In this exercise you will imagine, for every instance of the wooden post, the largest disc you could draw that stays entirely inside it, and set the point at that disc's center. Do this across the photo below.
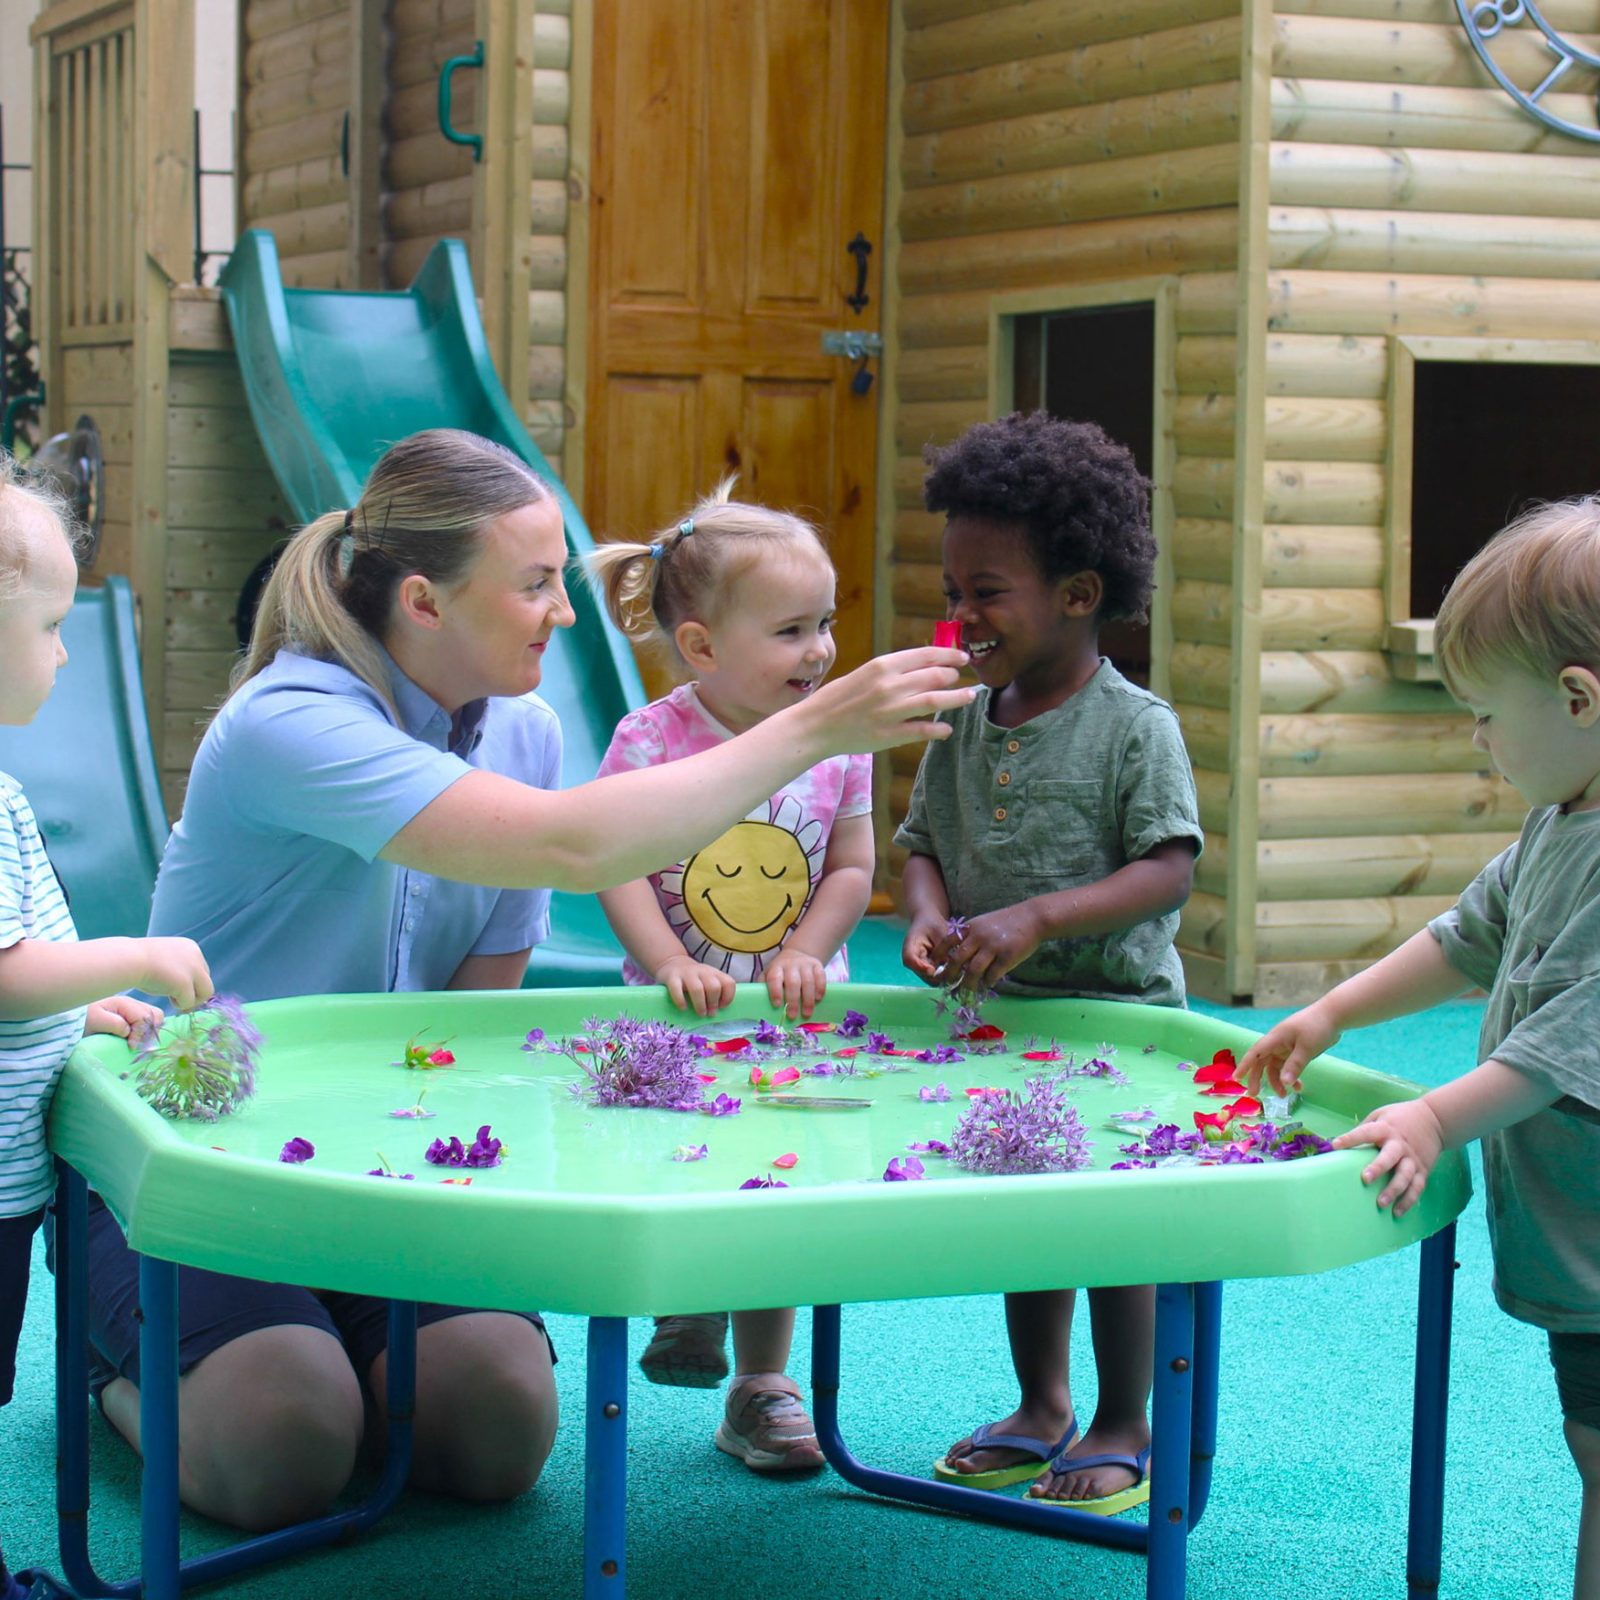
(1249, 491)
(366, 143)
(502, 195)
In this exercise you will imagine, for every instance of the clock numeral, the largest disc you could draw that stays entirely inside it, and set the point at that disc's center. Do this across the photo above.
(1490, 16)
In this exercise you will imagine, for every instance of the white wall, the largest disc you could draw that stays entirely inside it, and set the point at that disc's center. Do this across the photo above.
(16, 105)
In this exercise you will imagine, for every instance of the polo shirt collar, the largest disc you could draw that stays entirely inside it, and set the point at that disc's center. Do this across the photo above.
(424, 718)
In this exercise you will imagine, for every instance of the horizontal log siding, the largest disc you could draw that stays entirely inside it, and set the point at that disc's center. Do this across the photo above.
(1407, 196)
(294, 93)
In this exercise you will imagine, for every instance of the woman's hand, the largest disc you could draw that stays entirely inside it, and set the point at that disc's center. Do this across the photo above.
(891, 700)
(916, 952)
(1283, 1051)
(121, 1014)
(693, 986)
(988, 948)
(796, 981)
(1409, 1138)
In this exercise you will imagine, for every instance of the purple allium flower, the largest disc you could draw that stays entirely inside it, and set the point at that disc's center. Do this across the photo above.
(691, 1152)
(297, 1150)
(853, 1025)
(956, 928)
(534, 1039)
(938, 1093)
(941, 1055)
(933, 1147)
(700, 1042)
(877, 1043)
(1035, 1131)
(202, 1065)
(1099, 1068)
(763, 1183)
(903, 1169)
(644, 1064)
(484, 1151)
(723, 1106)
(769, 1033)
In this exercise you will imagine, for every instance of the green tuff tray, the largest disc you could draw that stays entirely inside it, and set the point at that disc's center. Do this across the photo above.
(590, 1213)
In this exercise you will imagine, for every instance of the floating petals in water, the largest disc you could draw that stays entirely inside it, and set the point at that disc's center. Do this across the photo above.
(423, 1057)
(784, 1162)
(728, 1047)
(761, 1078)
(415, 1113)
(706, 1077)
(903, 1169)
(848, 1051)
(1041, 1055)
(723, 1106)
(816, 1027)
(934, 1147)
(1245, 1106)
(938, 1092)
(880, 1044)
(535, 1038)
(297, 1150)
(691, 1152)
(852, 1025)
(763, 1183)
(1143, 1114)
(484, 1151)
(768, 1033)
(981, 1034)
(975, 1093)
(464, 1182)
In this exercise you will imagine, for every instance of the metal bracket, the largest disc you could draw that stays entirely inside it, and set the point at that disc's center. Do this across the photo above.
(852, 344)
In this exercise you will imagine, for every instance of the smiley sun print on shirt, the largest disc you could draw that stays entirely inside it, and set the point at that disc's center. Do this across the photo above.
(734, 902)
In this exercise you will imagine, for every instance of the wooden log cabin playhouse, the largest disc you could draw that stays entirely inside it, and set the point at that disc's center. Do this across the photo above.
(1332, 267)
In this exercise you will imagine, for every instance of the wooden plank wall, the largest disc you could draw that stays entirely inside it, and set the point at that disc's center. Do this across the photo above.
(1063, 142)
(1407, 196)
(548, 416)
(224, 512)
(294, 95)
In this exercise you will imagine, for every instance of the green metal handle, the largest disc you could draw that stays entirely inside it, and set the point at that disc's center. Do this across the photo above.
(446, 73)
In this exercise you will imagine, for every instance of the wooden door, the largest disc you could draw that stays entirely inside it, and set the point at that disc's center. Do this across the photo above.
(737, 151)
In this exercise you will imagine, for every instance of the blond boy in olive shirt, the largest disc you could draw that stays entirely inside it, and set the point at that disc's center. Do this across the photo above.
(1518, 642)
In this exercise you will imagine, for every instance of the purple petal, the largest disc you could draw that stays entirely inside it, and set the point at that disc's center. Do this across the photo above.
(297, 1150)
(903, 1169)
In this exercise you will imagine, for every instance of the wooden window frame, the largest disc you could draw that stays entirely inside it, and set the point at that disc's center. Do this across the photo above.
(1409, 639)
(1161, 294)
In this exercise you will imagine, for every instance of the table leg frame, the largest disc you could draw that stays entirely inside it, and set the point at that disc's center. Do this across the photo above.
(605, 1466)
(164, 1575)
(1430, 1406)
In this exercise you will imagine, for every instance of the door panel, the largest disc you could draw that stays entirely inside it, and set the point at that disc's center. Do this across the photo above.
(737, 149)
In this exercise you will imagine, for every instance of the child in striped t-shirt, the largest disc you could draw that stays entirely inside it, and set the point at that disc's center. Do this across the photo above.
(48, 980)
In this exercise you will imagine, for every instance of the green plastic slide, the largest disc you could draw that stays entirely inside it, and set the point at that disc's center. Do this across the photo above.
(101, 814)
(333, 378)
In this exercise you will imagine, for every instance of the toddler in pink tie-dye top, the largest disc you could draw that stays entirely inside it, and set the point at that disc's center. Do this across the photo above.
(743, 596)
(733, 904)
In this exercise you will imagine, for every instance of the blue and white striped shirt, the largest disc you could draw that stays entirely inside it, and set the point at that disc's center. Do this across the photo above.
(32, 1053)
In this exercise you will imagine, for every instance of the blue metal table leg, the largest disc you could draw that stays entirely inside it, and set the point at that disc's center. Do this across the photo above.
(605, 1471)
(72, 1381)
(1171, 1425)
(1207, 1375)
(1042, 1516)
(1435, 1291)
(158, 1426)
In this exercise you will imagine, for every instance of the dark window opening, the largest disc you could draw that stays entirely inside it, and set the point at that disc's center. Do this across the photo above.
(1489, 438)
(1096, 365)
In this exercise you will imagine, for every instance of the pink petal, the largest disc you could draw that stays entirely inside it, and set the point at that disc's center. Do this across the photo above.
(815, 1027)
(976, 1092)
(1041, 1055)
(757, 1076)
(786, 1161)
(947, 635)
(728, 1047)
(985, 1030)
(786, 1075)
(849, 1050)
(706, 1077)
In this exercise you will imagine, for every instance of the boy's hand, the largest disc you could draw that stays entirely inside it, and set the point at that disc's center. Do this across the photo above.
(1409, 1139)
(916, 953)
(693, 986)
(173, 967)
(121, 1014)
(991, 946)
(1284, 1051)
(796, 981)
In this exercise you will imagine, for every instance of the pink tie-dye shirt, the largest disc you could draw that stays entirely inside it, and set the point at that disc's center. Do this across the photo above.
(734, 902)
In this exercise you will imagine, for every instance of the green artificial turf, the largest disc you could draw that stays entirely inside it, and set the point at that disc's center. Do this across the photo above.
(1311, 1472)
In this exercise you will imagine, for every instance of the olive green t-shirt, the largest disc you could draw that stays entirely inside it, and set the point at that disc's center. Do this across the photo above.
(1058, 803)
(1527, 929)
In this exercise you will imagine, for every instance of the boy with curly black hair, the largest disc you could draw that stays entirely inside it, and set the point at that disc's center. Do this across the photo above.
(1059, 825)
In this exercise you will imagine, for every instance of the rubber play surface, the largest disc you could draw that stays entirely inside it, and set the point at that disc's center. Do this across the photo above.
(590, 1213)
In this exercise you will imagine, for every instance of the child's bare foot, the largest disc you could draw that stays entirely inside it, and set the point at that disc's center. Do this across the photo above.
(968, 1458)
(1096, 1483)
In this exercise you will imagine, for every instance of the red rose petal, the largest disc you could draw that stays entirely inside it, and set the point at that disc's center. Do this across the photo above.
(1224, 1088)
(1217, 1072)
(786, 1161)
(442, 1058)
(1041, 1055)
(985, 1031)
(815, 1027)
(849, 1050)
(462, 1181)
(1245, 1106)
(947, 635)
(1224, 1058)
(727, 1047)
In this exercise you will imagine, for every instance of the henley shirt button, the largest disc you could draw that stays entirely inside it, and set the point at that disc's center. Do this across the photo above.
(1013, 745)
(410, 924)
(1003, 779)
(999, 813)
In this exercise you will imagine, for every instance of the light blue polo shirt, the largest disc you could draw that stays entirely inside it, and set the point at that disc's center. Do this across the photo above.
(300, 781)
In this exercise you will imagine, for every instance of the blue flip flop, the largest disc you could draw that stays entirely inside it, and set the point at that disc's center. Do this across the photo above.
(1105, 1505)
(987, 1438)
